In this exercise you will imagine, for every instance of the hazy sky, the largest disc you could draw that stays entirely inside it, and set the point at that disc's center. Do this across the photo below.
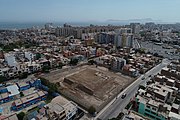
(88, 10)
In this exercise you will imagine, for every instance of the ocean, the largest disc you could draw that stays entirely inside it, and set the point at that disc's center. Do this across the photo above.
(12, 25)
(18, 25)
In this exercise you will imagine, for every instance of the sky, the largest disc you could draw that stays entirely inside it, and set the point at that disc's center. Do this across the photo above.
(88, 10)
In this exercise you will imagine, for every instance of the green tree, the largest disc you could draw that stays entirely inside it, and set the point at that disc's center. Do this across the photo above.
(120, 116)
(21, 94)
(38, 56)
(60, 65)
(52, 86)
(23, 75)
(156, 54)
(92, 110)
(21, 115)
(142, 87)
(74, 61)
(2, 79)
(92, 62)
(45, 69)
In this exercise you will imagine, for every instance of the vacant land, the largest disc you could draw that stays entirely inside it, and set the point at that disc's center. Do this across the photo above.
(89, 85)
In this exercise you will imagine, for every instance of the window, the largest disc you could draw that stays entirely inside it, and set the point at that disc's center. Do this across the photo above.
(148, 106)
(63, 117)
(158, 119)
(153, 112)
(147, 110)
(149, 115)
(154, 108)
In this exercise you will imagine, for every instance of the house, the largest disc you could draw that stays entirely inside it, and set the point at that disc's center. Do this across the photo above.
(63, 108)
(11, 117)
(55, 111)
(23, 86)
(28, 100)
(13, 90)
(4, 97)
(35, 83)
(3, 89)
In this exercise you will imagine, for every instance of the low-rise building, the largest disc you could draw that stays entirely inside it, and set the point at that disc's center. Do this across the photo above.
(55, 111)
(61, 108)
(10, 117)
(156, 101)
(23, 86)
(28, 100)
(117, 63)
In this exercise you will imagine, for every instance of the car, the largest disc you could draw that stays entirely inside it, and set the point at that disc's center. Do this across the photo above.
(123, 96)
(150, 75)
(143, 78)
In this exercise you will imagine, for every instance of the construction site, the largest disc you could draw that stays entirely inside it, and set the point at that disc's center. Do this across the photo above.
(89, 85)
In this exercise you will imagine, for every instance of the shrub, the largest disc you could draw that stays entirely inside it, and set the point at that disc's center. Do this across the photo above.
(92, 110)
(21, 115)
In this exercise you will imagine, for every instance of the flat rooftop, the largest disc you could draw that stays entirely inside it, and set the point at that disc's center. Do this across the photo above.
(29, 91)
(40, 93)
(18, 102)
(22, 84)
(69, 106)
(13, 90)
(55, 107)
(29, 97)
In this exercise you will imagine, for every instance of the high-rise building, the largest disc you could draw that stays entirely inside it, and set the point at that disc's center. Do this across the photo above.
(10, 59)
(120, 38)
(124, 40)
(1, 54)
(129, 41)
(135, 28)
(30, 56)
(150, 25)
(105, 37)
(123, 30)
(64, 31)
(48, 26)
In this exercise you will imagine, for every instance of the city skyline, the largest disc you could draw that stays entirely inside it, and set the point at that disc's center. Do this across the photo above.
(88, 10)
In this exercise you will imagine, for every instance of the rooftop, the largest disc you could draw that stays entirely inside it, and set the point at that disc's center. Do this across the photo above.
(29, 97)
(22, 84)
(11, 117)
(29, 91)
(174, 115)
(18, 102)
(66, 104)
(40, 93)
(13, 90)
(153, 103)
(55, 107)
(176, 106)
(4, 95)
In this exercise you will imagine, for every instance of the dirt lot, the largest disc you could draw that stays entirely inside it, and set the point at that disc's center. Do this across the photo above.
(89, 85)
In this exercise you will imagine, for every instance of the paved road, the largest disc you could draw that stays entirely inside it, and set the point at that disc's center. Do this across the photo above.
(136, 44)
(118, 104)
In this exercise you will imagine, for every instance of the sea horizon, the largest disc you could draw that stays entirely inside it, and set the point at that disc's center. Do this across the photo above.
(25, 25)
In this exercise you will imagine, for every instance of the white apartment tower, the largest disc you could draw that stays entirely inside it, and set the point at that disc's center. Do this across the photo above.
(10, 59)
